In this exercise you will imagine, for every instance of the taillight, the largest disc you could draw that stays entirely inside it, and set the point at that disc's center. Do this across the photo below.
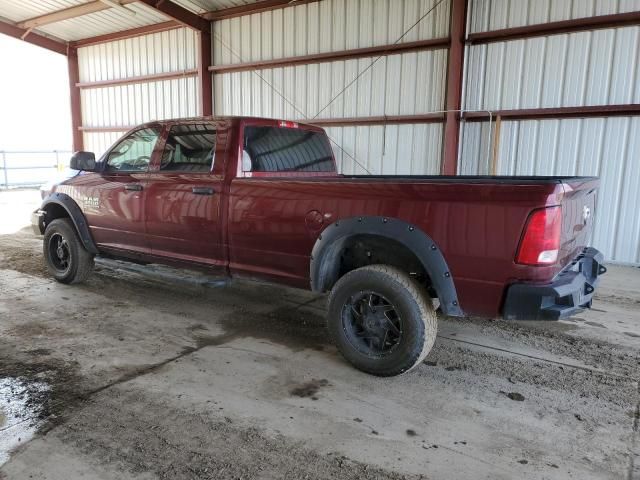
(540, 243)
(285, 124)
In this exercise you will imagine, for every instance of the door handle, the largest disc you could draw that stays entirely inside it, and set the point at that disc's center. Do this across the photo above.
(134, 187)
(203, 190)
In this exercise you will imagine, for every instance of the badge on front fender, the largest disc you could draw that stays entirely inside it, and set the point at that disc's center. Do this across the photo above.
(91, 203)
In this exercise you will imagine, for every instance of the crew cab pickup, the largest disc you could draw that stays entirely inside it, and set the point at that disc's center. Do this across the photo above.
(261, 198)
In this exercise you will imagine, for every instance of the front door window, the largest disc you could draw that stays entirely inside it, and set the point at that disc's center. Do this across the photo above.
(133, 153)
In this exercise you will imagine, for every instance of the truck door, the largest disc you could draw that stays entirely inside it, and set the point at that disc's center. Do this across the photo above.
(114, 200)
(184, 198)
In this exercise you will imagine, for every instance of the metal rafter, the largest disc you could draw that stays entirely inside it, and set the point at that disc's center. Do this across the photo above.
(256, 7)
(14, 31)
(179, 14)
(69, 13)
(129, 33)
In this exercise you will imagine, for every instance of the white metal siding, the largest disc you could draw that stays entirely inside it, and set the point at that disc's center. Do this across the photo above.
(171, 51)
(409, 83)
(326, 26)
(586, 68)
(488, 15)
(388, 150)
(401, 84)
(604, 147)
(127, 105)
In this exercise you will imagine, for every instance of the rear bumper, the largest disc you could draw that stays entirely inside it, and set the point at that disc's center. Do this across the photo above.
(571, 291)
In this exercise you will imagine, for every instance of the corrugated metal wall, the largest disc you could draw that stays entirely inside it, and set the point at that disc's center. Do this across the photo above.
(402, 84)
(588, 68)
(486, 15)
(126, 105)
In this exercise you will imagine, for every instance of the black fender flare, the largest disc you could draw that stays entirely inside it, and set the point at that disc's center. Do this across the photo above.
(324, 261)
(76, 216)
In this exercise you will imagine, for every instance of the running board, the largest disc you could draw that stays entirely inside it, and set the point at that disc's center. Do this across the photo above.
(164, 273)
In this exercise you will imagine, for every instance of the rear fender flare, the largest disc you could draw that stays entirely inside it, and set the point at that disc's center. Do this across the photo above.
(76, 216)
(325, 261)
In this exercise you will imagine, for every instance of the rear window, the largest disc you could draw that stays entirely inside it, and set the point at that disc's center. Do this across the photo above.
(272, 149)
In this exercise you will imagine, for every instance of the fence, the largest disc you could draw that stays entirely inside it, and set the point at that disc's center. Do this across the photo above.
(32, 168)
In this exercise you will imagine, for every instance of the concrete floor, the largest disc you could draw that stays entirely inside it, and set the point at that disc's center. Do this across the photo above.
(133, 377)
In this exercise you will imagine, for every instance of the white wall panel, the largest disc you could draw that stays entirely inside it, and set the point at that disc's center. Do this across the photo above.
(132, 104)
(326, 26)
(405, 84)
(488, 15)
(127, 105)
(604, 147)
(586, 68)
(388, 150)
(169, 51)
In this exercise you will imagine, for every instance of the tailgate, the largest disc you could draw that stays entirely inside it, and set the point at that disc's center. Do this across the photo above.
(578, 212)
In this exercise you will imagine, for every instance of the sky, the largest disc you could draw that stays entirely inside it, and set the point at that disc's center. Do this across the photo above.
(34, 98)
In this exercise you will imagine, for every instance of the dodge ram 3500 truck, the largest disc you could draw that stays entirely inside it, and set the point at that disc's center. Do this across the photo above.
(261, 198)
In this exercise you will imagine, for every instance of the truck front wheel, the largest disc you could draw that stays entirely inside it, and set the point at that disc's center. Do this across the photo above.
(66, 258)
(381, 320)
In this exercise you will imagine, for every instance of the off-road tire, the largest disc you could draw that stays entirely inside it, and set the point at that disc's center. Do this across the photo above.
(413, 306)
(80, 261)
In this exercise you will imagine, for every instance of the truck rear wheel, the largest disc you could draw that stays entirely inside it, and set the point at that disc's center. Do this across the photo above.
(66, 258)
(381, 320)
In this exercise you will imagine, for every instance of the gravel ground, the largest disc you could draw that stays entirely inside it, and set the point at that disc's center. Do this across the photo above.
(132, 376)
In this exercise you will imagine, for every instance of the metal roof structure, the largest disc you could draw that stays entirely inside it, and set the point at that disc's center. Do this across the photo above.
(66, 21)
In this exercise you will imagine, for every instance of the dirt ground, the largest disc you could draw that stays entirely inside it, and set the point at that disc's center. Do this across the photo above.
(134, 376)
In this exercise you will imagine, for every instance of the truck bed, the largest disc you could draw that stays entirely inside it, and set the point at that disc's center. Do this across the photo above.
(500, 179)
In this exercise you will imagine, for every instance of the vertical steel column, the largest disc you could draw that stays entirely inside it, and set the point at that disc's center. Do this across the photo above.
(74, 95)
(204, 75)
(454, 86)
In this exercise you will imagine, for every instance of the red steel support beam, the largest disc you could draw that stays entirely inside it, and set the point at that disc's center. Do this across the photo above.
(257, 7)
(454, 86)
(619, 110)
(205, 79)
(124, 34)
(555, 28)
(155, 77)
(74, 94)
(34, 38)
(179, 14)
(420, 45)
(381, 120)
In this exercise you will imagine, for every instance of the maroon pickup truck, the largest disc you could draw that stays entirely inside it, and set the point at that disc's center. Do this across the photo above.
(261, 198)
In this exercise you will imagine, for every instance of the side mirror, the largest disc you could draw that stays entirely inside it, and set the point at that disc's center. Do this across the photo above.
(85, 161)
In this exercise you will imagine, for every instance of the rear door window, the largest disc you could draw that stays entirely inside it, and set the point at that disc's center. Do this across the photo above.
(274, 149)
(189, 148)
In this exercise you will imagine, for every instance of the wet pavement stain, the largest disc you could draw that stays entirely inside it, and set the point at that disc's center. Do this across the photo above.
(35, 391)
(291, 327)
(21, 413)
(309, 389)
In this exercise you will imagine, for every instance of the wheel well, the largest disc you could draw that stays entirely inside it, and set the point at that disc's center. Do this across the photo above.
(54, 211)
(365, 249)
